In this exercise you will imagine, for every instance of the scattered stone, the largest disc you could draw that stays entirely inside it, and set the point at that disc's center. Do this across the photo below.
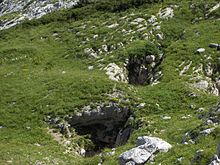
(180, 159)
(200, 50)
(207, 131)
(200, 110)
(113, 26)
(193, 95)
(37, 144)
(90, 67)
(213, 45)
(166, 117)
(141, 105)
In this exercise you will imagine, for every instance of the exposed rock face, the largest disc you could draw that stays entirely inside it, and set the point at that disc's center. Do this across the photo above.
(143, 70)
(30, 9)
(116, 73)
(147, 146)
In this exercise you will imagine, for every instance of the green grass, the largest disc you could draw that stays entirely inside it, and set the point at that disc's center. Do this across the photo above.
(43, 74)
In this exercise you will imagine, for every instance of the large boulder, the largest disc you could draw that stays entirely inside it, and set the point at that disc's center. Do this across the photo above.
(146, 147)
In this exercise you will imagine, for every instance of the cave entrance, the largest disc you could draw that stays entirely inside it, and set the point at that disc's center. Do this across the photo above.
(107, 128)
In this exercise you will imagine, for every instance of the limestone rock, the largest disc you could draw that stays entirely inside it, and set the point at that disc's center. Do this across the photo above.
(200, 50)
(166, 13)
(28, 9)
(116, 73)
(203, 84)
(207, 131)
(160, 144)
(146, 147)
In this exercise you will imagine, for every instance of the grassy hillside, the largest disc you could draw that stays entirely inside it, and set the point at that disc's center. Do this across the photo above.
(44, 71)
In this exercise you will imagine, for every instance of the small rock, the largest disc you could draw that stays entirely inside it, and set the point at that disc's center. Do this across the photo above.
(90, 67)
(200, 50)
(180, 159)
(207, 131)
(213, 45)
(192, 95)
(113, 26)
(141, 105)
(166, 117)
(159, 36)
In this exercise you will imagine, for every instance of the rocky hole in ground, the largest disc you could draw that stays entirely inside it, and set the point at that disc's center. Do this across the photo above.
(144, 70)
(107, 126)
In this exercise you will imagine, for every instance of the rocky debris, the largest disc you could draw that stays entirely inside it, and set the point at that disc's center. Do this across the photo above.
(200, 50)
(116, 73)
(146, 148)
(166, 13)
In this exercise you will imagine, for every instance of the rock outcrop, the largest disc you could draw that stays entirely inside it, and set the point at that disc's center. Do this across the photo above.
(28, 10)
